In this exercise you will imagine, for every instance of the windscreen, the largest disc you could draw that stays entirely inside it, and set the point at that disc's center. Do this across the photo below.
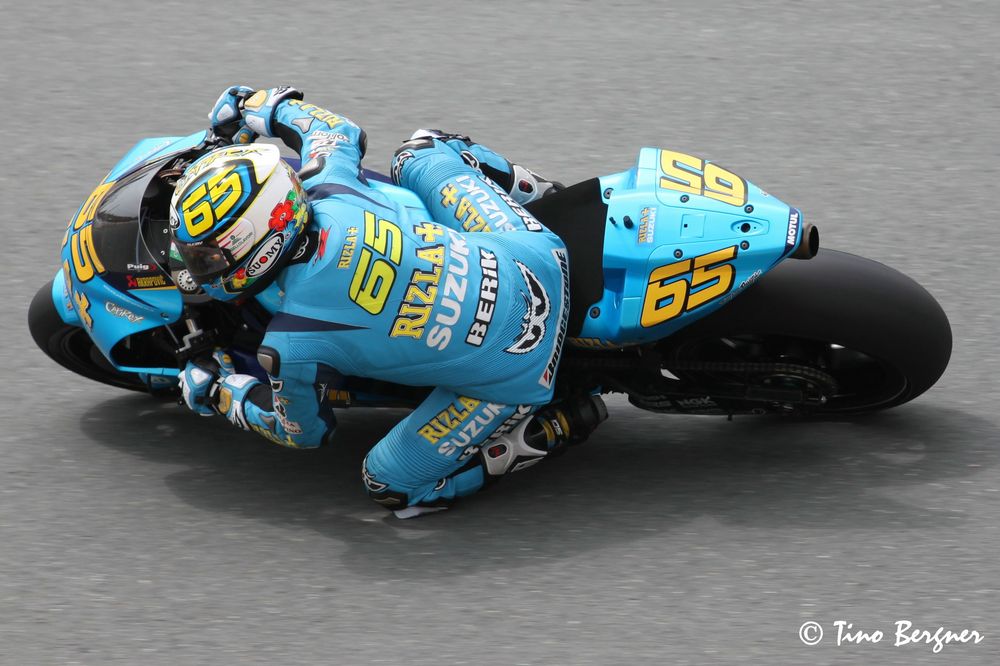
(131, 233)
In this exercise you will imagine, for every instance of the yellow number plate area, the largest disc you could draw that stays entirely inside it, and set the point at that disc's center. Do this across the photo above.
(86, 264)
(682, 286)
(211, 201)
(83, 309)
(86, 213)
(693, 175)
(80, 237)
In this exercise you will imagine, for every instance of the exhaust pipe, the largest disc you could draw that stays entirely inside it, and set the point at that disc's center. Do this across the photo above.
(809, 245)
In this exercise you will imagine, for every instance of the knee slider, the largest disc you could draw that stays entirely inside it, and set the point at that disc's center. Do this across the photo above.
(438, 134)
(438, 160)
(270, 360)
(458, 143)
(379, 490)
(407, 151)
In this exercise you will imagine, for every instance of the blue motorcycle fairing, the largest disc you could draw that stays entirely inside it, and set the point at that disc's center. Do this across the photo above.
(114, 300)
(684, 236)
(148, 150)
(111, 282)
(63, 302)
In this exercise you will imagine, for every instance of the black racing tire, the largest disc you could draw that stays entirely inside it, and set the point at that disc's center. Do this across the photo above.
(881, 317)
(71, 346)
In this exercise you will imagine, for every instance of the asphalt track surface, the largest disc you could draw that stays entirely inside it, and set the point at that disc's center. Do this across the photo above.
(135, 533)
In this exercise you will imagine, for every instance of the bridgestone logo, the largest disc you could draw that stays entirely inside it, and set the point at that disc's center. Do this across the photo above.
(487, 298)
(550, 367)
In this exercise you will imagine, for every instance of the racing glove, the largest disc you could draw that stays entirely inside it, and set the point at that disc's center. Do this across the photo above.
(226, 117)
(200, 381)
(259, 109)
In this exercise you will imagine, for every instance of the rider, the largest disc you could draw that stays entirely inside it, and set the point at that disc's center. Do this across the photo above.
(474, 302)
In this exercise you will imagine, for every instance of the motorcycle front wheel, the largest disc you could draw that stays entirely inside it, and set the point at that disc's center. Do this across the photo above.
(71, 347)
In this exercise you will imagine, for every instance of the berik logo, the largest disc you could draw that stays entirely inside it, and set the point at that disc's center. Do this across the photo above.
(536, 302)
(263, 260)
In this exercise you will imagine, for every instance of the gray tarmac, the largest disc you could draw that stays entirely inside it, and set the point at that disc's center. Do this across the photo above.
(132, 532)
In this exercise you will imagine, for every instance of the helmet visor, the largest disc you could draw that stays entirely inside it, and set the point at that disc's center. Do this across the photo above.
(206, 261)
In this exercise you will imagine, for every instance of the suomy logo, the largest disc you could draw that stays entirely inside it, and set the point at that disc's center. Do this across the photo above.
(263, 259)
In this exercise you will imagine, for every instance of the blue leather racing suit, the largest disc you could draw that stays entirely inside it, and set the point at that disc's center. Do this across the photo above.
(468, 294)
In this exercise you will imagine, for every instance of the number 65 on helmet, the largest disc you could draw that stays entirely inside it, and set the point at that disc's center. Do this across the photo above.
(235, 218)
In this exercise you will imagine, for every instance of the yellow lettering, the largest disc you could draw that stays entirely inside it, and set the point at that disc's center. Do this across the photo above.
(429, 433)
(665, 300)
(211, 201)
(668, 293)
(382, 235)
(433, 254)
(685, 173)
(715, 279)
(86, 213)
(449, 195)
(415, 294)
(681, 172)
(410, 322)
(428, 232)
(724, 186)
(85, 261)
(468, 403)
(83, 309)
(475, 223)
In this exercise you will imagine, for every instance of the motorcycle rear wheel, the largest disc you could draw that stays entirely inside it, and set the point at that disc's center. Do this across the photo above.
(880, 336)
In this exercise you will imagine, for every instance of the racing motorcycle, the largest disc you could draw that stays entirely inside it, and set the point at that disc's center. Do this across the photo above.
(693, 291)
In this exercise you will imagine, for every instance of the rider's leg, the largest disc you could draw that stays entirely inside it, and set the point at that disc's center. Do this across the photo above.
(520, 183)
(434, 456)
(453, 445)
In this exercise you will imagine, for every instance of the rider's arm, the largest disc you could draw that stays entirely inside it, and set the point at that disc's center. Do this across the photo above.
(331, 146)
(289, 412)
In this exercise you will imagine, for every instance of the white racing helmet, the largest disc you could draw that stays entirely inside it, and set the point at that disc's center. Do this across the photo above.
(235, 218)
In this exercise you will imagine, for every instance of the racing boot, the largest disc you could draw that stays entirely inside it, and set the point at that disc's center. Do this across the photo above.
(570, 422)
(549, 432)
(522, 184)
(523, 443)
